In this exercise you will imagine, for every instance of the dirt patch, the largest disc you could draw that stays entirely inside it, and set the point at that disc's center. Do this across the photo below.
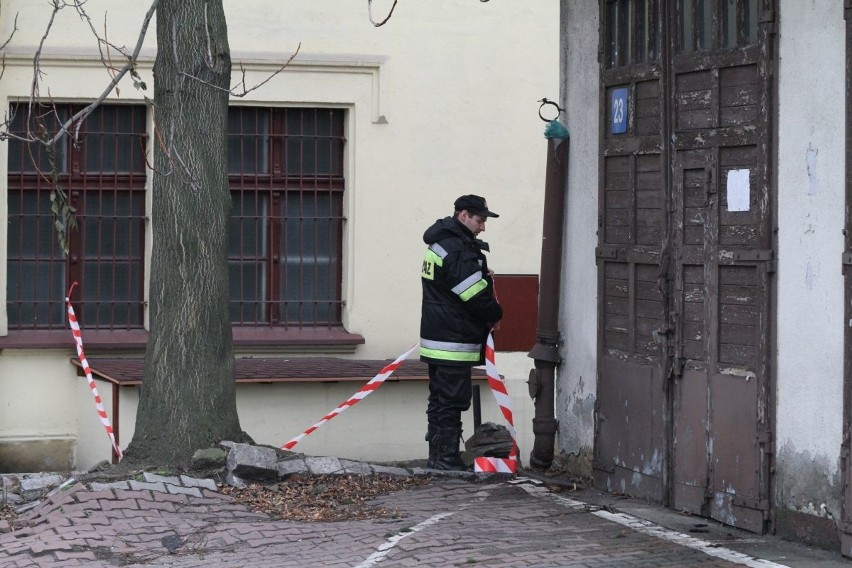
(7, 514)
(324, 497)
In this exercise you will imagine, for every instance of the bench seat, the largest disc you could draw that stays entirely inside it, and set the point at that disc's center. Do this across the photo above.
(128, 371)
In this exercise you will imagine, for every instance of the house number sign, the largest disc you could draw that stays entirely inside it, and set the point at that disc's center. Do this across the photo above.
(618, 106)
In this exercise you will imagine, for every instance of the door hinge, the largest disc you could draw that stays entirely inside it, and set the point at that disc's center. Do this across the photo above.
(709, 187)
(767, 17)
(753, 255)
(606, 252)
(677, 366)
(846, 262)
(756, 504)
(661, 334)
(609, 252)
(605, 465)
(765, 439)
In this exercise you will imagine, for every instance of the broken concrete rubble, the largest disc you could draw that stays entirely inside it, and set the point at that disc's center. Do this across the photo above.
(237, 464)
(256, 463)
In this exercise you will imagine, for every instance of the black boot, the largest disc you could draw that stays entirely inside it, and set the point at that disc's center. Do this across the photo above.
(448, 458)
(432, 438)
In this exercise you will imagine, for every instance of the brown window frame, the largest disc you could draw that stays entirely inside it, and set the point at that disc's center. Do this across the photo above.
(632, 32)
(287, 181)
(287, 185)
(710, 25)
(106, 249)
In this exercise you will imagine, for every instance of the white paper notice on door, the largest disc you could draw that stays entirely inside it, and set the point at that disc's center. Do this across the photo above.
(738, 190)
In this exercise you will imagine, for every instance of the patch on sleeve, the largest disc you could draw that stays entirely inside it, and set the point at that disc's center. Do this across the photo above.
(428, 271)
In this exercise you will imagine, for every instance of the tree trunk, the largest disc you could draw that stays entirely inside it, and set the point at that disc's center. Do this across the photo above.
(188, 400)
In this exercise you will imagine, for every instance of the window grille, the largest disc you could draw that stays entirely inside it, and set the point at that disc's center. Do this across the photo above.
(710, 24)
(632, 32)
(287, 183)
(103, 175)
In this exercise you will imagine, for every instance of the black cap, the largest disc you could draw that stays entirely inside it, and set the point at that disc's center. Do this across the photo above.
(475, 205)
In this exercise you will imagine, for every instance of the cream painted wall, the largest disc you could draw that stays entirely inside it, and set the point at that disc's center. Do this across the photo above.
(93, 443)
(441, 100)
(36, 380)
(37, 398)
(811, 141)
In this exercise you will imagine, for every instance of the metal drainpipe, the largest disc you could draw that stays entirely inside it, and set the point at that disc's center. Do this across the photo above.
(546, 350)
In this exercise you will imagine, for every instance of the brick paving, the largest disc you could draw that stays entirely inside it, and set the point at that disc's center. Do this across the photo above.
(447, 522)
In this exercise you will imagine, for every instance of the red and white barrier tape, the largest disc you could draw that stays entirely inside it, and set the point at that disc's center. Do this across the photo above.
(501, 395)
(374, 383)
(78, 340)
(498, 388)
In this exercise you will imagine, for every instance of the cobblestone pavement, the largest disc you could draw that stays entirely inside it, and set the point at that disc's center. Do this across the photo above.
(447, 522)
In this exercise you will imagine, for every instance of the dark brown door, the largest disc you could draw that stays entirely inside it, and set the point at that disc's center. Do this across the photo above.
(705, 390)
(630, 433)
(722, 259)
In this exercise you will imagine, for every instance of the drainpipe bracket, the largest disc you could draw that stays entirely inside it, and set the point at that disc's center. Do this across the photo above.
(545, 426)
(534, 384)
(543, 352)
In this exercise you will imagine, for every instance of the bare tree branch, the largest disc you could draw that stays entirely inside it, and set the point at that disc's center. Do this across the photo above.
(370, 12)
(233, 90)
(34, 89)
(42, 131)
(129, 66)
(101, 41)
(3, 47)
(40, 126)
(11, 35)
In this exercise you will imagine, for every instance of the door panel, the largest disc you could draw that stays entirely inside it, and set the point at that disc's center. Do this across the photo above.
(721, 144)
(630, 433)
(633, 436)
(737, 498)
(691, 444)
(629, 427)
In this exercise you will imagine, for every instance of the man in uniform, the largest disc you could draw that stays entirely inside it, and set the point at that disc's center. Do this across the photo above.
(459, 309)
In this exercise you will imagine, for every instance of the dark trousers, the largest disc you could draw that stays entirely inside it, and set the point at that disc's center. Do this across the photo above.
(449, 395)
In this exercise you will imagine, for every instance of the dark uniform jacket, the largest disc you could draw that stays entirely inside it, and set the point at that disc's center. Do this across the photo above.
(458, 296)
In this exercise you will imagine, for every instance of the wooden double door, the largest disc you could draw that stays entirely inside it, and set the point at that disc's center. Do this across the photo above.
(686, 256)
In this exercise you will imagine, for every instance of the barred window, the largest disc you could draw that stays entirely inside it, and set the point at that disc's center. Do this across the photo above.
(287, 183)
(103, 175)
(286, 177)
(714, 24)
(632, 32)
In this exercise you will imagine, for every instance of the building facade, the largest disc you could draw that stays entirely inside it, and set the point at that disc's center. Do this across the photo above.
(336, 165)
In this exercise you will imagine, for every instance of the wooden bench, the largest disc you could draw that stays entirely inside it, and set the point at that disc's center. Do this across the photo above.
(128, 371)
